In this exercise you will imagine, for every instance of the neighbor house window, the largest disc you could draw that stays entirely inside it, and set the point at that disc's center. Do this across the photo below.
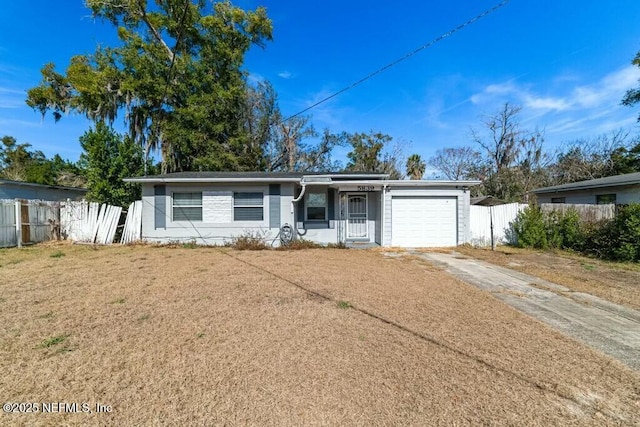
(317, 206)
(605, 199)
(187, 206)
(558, 200)
(248, 206)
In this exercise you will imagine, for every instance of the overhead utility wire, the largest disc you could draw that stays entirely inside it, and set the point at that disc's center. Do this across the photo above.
(407, 56)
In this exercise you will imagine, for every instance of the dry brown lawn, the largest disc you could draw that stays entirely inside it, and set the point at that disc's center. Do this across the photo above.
(615, 282)
(177, 336)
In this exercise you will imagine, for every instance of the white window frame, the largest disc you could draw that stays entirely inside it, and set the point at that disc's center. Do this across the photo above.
(326, 205)
(174, 206)
(234, 206)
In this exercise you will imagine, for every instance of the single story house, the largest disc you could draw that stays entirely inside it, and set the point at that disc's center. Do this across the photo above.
(351, 208)
(30, 191)
(618, 189)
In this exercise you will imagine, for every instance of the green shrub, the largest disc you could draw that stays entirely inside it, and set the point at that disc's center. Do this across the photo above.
(571, 229)
(530, 228)
(626, 234)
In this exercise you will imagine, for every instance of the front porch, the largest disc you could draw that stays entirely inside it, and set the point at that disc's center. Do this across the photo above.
(340, 213)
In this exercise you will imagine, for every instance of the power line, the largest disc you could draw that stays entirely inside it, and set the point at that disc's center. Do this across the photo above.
(407, 56)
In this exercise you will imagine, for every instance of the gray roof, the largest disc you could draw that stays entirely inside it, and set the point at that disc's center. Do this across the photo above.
(610, 181)
(33, 184)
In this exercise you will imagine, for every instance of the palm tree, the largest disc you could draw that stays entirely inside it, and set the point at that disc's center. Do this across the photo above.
(415, 166)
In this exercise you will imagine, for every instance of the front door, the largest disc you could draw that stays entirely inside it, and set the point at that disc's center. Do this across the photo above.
(357, 216)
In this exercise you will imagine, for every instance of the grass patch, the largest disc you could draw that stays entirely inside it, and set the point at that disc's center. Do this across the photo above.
(50, 342)
(589, 267)
(118, 301)
(200, 334)
(48, 315)
(299, 244)
(57, 254)
(144, 317)
(344, 304)
(189, 245)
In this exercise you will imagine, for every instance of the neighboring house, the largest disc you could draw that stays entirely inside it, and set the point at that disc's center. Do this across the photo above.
(352, 208)
(618, 189)
(486, 201)
(29, 190)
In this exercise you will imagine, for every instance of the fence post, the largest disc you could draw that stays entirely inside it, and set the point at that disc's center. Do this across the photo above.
(18, 206)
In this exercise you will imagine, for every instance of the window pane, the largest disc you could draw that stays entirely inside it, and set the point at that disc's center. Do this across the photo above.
(247, 199)
(317, 199)
(181, 213)
(604, 199)
(187, 199)
(247, 214)
(317, 213)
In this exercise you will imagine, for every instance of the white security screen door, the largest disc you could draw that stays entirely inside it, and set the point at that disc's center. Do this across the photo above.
(357, 216)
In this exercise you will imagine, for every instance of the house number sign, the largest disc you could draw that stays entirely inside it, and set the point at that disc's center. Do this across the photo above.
(366, 188)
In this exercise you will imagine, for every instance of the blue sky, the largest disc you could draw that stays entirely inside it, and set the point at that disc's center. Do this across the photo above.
(567, 63)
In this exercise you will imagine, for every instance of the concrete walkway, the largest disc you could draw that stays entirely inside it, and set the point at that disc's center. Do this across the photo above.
(608, 327)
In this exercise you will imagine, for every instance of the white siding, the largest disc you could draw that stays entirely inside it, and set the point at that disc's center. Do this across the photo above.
(217, 225)
(623, 195)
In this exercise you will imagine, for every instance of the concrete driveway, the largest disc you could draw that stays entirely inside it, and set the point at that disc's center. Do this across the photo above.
(608, 327)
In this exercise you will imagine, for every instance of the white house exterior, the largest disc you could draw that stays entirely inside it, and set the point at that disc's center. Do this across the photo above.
(619, 189)
(352, 208)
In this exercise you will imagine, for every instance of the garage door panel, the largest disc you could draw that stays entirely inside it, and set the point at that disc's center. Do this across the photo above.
(424, 221)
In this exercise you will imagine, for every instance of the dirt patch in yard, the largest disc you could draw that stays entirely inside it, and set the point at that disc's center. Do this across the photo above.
(313, 337)
(615, 282)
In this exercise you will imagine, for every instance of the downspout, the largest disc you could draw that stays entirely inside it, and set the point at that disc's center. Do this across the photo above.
(300, 196)
(296, 200)
(382, 217)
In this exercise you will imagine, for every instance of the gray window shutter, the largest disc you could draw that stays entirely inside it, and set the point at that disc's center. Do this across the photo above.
(331, 204)
(160, 203)
(274, 205)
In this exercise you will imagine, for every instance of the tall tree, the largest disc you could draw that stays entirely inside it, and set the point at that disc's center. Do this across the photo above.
(368, 154)
(590, 158)
(175, 77)
(632, 97)
(415, 166)
(514, 156)
(108, 158)
(458, 163)
(19, 163)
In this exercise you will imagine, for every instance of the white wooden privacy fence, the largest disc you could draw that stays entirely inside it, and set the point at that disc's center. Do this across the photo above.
(27, 221)
(33, 221)
(486, 221)
(132, 231)
(89, 222)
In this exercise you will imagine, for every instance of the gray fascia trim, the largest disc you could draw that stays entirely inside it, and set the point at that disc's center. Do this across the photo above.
(407, 183)
(583, 187)
(334, 184)
(355, 176)
(201, 180)
(33, 184)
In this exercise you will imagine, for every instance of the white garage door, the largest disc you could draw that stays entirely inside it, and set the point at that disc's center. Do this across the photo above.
(424, 221)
